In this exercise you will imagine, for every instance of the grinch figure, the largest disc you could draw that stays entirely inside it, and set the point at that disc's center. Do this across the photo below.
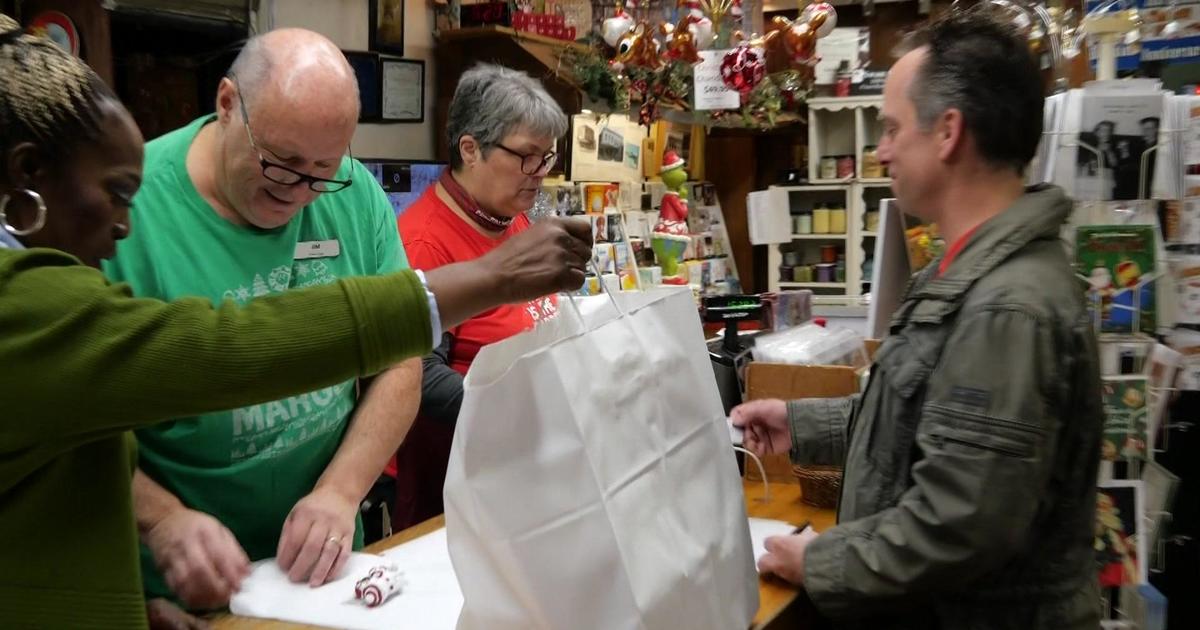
(671, 237)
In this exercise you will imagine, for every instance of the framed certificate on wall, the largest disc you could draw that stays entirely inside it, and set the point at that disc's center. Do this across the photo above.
(402, 90)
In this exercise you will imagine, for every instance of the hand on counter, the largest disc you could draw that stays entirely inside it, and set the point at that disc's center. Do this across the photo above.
(785, 556)
(317, 537)
(199, 557)
(163, 614)
(765, 423)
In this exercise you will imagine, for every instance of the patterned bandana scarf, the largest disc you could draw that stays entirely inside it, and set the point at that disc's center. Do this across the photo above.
(470, 206)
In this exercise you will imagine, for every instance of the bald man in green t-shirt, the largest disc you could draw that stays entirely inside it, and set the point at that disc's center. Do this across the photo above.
(256, 199)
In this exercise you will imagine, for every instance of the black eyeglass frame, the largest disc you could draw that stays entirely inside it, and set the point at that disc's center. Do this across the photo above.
(330, 185)
(546, 163)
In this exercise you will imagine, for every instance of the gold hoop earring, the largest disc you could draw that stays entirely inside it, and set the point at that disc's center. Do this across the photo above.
(38, 222)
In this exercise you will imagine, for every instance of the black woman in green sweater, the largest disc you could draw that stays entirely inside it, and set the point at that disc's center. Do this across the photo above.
(82, 362)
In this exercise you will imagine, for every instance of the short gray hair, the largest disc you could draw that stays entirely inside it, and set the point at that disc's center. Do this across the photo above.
(492, 101)
(976, 62)
(252, 67)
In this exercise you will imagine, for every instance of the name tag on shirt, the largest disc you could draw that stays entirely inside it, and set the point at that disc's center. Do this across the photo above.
(317, 249)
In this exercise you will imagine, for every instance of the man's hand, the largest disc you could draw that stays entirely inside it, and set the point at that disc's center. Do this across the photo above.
(551, 256)
(199, 557)
(163, 614)
(317, 536)
(785, 556)
(766, 425)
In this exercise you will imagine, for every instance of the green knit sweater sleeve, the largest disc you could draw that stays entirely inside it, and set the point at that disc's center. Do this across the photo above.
(81, 357)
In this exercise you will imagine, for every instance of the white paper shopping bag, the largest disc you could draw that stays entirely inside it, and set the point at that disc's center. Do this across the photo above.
(591, 482)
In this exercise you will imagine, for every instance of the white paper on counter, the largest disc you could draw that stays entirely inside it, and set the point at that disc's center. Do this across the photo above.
(763, 528)
(430, 601)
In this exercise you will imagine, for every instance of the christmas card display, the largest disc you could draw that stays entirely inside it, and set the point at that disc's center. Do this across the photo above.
(1120, 544)
(1118, 263)
(1125, 418)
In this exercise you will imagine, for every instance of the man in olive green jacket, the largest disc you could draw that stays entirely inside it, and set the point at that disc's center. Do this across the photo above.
(970, 459)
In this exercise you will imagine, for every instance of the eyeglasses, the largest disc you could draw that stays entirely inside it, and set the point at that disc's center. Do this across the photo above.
(532, 163)
(279, 173)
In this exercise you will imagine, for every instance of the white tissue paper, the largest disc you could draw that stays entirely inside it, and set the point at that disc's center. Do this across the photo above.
(430, 600)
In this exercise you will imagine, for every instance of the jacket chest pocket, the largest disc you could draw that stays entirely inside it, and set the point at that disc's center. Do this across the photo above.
(902, 370)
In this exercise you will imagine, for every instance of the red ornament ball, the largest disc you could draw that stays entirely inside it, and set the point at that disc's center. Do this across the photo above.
(743, 68)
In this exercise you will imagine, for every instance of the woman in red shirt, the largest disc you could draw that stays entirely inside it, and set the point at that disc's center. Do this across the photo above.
(502, 129)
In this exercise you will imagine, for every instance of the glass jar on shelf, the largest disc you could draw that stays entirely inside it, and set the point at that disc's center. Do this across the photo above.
(820, 219)
(872, 168)
(837, 218)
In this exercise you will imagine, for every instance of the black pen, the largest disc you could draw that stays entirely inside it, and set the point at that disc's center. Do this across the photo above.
(803, 526)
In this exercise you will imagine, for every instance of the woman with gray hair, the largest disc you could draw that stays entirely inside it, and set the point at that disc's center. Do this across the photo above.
(502, 130)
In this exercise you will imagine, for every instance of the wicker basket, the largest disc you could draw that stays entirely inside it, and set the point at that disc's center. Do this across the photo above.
(819, 485)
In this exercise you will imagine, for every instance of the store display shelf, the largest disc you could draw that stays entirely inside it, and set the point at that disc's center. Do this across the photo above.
(835, 103)
(812, 285)
(491, 32)
(819, 237)
(818, 186)
(832, 184)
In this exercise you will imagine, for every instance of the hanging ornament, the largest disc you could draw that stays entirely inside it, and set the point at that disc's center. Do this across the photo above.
(820, 16)
(800, 37)
(700, 26)
(680, 42)
(735, 10)
(702, 32)
(743, 68)
(615, 27)
(647, 112)
(800, 42)
(637, 48)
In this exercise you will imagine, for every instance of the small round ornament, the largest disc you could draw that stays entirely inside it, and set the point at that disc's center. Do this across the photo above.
(743, 68)
(821, 16)
(615, 27)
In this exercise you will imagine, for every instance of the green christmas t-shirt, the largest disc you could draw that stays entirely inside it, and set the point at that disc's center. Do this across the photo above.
(247, 467)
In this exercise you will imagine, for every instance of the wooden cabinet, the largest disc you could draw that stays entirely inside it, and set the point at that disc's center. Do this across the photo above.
(837, 128)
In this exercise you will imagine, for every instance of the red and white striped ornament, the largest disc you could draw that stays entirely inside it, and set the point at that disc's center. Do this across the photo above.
(381, 584)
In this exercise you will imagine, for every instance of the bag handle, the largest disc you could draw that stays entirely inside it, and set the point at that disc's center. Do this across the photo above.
(541, 210)
(603, 289)
(766, 497)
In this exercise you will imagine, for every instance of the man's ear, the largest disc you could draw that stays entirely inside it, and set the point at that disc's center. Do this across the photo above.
(950, 133)
(227, 100)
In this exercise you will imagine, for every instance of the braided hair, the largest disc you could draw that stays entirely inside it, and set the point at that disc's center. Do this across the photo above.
(47, 96)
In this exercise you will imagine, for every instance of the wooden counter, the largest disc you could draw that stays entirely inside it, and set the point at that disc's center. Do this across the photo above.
(780, 605)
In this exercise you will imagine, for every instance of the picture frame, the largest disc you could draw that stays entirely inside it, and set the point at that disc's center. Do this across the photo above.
(605, 147)
(366, 66)
(386, 26)
(402, 90)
